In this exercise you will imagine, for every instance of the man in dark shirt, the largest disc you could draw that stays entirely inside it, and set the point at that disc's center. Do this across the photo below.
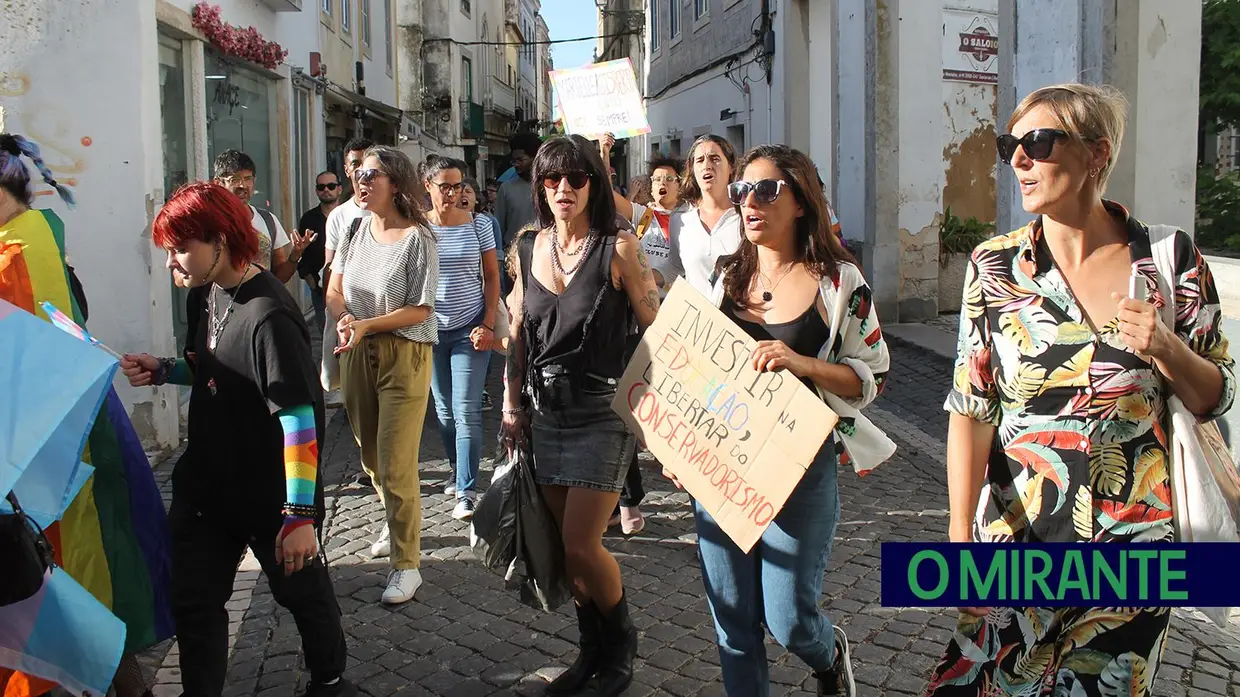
(327, 188)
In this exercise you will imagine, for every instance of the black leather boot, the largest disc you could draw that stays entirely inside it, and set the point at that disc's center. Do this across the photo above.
(575, 679)
(615, 671)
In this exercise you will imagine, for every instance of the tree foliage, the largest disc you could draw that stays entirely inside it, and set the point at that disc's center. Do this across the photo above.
(1220, 64)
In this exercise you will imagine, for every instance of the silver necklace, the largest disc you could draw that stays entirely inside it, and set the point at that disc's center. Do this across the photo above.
(218, 323)
(561, 249)
(584, 251)
(768, 293)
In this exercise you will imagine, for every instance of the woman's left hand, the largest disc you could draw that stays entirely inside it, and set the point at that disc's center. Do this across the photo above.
(482, 338)
(357, 331)
(1141, 329)
(770, 356)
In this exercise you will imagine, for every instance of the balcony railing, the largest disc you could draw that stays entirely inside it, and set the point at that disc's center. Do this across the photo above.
(473, 123)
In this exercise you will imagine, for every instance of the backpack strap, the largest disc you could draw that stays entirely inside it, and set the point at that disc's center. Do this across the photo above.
(525, 253)
(644, 224)
(269, 220)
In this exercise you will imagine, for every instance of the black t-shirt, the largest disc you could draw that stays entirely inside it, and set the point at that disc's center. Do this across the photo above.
(234, 461)
(312, 260)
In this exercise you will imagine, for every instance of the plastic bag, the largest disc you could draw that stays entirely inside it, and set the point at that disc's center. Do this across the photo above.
(514, 531)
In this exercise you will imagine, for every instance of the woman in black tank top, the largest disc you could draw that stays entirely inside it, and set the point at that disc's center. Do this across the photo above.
(782, 287)
(579, 284)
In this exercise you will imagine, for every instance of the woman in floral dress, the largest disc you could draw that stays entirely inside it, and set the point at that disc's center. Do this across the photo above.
(1057, 407)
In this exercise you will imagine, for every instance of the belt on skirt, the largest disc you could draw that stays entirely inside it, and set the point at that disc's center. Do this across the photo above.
(550, 374)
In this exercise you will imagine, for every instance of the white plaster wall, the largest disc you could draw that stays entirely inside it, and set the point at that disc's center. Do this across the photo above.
(247, 13)
(822, 89)
(695, 104)
(65, 89)
(852, 148)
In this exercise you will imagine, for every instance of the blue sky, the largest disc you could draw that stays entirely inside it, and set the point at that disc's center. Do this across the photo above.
(569, 19)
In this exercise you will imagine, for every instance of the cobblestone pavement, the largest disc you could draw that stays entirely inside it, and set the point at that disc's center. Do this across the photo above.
(466, 636)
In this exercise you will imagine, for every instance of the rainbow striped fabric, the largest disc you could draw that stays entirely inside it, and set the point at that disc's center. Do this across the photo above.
(113, 539)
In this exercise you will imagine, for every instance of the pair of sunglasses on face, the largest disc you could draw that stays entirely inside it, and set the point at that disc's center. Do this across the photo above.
(365, 176)
(577, 180)
(764, 190)
(1037, 144)
(326, 187)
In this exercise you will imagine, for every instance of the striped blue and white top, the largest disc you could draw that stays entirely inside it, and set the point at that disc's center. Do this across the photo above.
(459, 298)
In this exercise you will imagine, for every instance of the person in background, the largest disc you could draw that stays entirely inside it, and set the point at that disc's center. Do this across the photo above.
(338, 221)
(382, 294)
(470, 201)
(277, 251)
(127, 570)
(314, 222)
(489, 199)
(639, 190)
(795, 291)
(250, 472)
(579, 283)
(466, 303)
(1048, 306)
(513, 206)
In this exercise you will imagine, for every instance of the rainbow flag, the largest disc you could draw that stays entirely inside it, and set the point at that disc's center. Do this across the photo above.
(113, 538)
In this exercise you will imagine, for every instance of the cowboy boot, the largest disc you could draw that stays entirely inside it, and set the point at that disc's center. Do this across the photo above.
(615, 670)
(573, 680)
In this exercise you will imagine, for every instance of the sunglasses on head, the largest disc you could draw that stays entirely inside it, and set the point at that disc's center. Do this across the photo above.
(326, 187)
(576, 180)
(366, 175)
(765, 190)
(1037, 144)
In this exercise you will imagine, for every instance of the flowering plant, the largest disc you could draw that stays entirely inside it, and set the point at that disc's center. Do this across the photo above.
(234, 41)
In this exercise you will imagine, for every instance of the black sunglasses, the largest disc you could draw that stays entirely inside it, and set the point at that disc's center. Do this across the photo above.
(765, 190)
(1037, 144)
(365, 175)
(577, 180)
(326, 187)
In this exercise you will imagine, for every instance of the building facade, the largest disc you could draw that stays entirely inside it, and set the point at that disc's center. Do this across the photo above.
(622, 29)
(898, 102)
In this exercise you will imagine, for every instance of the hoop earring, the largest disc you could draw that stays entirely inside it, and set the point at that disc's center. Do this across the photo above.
(1093, 173)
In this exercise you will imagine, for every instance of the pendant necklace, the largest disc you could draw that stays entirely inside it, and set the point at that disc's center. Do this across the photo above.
(584, 251)
(768, 293)
(217, 324)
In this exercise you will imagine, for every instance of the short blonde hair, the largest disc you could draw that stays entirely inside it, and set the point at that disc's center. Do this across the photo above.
(1088, 113)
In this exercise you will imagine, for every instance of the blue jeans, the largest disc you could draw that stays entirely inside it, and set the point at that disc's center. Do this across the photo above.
(319, 303)
(777, 583)
(457, 379)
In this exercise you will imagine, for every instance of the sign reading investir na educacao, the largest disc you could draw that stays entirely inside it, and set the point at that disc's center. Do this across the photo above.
(601, 98)
(738, 440)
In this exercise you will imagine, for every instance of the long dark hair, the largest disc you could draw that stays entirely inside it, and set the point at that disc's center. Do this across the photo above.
(404, 177)
(817, 247)
(689, 191)
(14, 177)
(575, 154)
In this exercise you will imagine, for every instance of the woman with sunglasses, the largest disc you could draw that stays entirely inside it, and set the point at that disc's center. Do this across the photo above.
(465, 307)
(1057, 390)
(384, 280)
(579, 284)
(796, 291)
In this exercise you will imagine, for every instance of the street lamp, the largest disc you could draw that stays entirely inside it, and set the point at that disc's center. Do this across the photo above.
(633, 20)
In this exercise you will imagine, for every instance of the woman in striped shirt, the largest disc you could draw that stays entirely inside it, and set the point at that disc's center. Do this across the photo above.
(465, 307)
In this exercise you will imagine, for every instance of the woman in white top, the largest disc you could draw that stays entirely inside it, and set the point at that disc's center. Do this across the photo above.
(705, 227)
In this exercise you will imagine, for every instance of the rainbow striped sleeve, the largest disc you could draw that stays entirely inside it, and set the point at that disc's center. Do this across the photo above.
(301, 464)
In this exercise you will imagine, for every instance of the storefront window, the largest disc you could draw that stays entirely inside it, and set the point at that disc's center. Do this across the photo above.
(174, 135)
(239, 116)
(303, 195)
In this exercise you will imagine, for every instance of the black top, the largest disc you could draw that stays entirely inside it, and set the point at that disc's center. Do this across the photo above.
(315, 256)
(582, 329)
(234, 460)
(805, 335)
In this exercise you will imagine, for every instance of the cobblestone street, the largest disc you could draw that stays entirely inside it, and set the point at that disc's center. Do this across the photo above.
(465, 635)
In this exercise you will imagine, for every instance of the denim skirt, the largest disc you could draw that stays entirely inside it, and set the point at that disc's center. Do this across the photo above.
(577, 439)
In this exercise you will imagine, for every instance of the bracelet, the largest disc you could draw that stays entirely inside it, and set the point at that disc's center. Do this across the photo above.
(342, 314)
(293, 510)
(518, 410)
(164, 371)
(489, 329)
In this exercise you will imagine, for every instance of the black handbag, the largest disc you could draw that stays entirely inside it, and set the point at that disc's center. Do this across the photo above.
(26, 552)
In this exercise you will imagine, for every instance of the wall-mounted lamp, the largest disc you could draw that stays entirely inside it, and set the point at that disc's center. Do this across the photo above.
(728, 114)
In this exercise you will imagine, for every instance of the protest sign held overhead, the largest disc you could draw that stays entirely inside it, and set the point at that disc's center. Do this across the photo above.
(601, 98)
(738, 440)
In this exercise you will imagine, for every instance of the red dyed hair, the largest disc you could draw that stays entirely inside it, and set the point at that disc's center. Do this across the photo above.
(207, 212)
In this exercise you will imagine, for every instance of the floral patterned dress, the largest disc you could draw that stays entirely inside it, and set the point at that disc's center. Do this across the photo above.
(1080, 456)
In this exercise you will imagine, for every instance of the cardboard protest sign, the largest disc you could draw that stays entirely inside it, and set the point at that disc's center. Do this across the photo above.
(738, 440)
(601, 98)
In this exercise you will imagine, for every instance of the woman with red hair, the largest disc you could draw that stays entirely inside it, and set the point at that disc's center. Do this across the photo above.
(249, 476)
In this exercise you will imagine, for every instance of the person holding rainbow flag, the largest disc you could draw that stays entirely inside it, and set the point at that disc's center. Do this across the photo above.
(113, 538)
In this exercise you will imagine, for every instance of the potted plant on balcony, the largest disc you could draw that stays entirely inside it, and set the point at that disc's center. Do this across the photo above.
(957, 238)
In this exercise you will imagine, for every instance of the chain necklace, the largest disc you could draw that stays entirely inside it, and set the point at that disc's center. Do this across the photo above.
(218, 323)
(768, 293)
(561, 249)
(584, 251)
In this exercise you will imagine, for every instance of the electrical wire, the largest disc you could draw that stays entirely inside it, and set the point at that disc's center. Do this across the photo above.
(445, 39)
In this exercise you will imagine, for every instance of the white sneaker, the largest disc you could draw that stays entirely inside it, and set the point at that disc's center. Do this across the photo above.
(464, 508)
(382, 546)
(449, 490)
(401, 585)
(332, 400)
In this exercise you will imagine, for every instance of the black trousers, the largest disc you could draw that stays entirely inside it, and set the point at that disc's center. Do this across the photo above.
(633, 491)
(205, 553)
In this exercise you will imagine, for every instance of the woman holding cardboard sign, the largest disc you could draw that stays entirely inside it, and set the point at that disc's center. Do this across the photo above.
(794, 289)
(579, 282)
